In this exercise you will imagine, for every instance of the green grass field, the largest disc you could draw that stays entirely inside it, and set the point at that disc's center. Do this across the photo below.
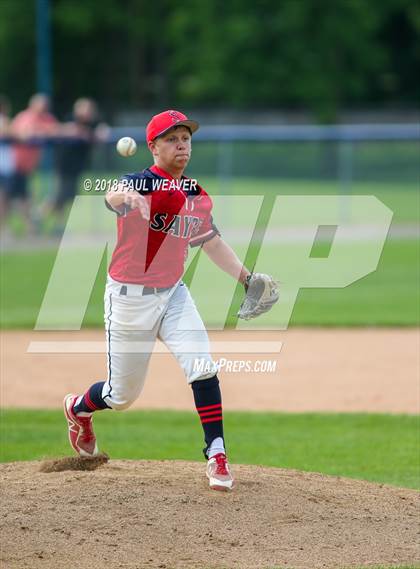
(374, 447)
(387, 297)
(403, 199)
(380, 448)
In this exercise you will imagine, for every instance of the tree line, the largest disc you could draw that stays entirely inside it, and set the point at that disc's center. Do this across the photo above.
(317, 55)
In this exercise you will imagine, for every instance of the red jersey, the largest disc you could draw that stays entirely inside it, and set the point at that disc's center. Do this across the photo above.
(153, 252)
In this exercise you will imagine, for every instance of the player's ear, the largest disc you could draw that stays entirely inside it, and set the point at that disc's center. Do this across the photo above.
(152, 147)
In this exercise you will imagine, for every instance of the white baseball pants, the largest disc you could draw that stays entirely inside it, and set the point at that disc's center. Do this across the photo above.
(133, 321)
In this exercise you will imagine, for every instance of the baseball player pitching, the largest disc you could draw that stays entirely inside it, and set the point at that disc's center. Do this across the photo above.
(160, 212)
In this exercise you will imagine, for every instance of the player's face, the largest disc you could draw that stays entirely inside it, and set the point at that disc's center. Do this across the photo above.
(173, 150)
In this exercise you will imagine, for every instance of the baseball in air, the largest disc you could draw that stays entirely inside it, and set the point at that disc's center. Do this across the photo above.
(126, 146)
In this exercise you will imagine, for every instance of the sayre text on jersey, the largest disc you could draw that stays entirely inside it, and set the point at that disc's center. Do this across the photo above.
(187, 225)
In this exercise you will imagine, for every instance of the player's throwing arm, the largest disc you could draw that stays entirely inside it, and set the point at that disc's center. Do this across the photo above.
(124, 195)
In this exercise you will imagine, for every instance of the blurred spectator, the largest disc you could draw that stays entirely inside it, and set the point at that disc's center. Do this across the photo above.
(35, 122)
(6, 155)
(73, 157)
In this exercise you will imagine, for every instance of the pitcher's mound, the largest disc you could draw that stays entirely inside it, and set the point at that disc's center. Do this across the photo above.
(146, 514)
(74, 463)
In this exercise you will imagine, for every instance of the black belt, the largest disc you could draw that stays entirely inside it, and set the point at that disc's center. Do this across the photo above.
(155, 290)
(147, 290)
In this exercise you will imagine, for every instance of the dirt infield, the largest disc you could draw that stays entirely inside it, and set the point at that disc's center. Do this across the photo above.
(141, 514)
(317, 370)
(161, 514)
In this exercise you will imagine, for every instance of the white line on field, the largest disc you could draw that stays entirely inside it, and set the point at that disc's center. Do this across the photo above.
(88, 347)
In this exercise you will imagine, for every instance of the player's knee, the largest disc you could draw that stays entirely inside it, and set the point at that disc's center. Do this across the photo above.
(123, 391)
(200, 378)
(205, 382)
(120, 405)
(200, 369)
(121, 401)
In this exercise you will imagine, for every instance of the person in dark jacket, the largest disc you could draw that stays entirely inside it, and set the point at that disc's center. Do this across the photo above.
(74, 154)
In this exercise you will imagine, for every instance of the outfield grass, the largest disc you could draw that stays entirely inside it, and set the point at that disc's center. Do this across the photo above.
(380, 448)
(401, 197)
(387, 297)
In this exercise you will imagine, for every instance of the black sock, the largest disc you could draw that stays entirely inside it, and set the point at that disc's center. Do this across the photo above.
(92, 400)
(208, 401)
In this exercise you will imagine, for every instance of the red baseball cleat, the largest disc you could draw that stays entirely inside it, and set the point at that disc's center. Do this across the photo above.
(219, 474)
(81, 435)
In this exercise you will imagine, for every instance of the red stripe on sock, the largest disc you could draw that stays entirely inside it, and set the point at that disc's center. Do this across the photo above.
(89, 402)
(208, 407)
(211, 419)
(209, 413)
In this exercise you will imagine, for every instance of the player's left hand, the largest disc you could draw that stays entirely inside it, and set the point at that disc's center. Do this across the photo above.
(261, 295)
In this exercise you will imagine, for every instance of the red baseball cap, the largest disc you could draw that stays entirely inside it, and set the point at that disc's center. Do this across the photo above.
(163, 122)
